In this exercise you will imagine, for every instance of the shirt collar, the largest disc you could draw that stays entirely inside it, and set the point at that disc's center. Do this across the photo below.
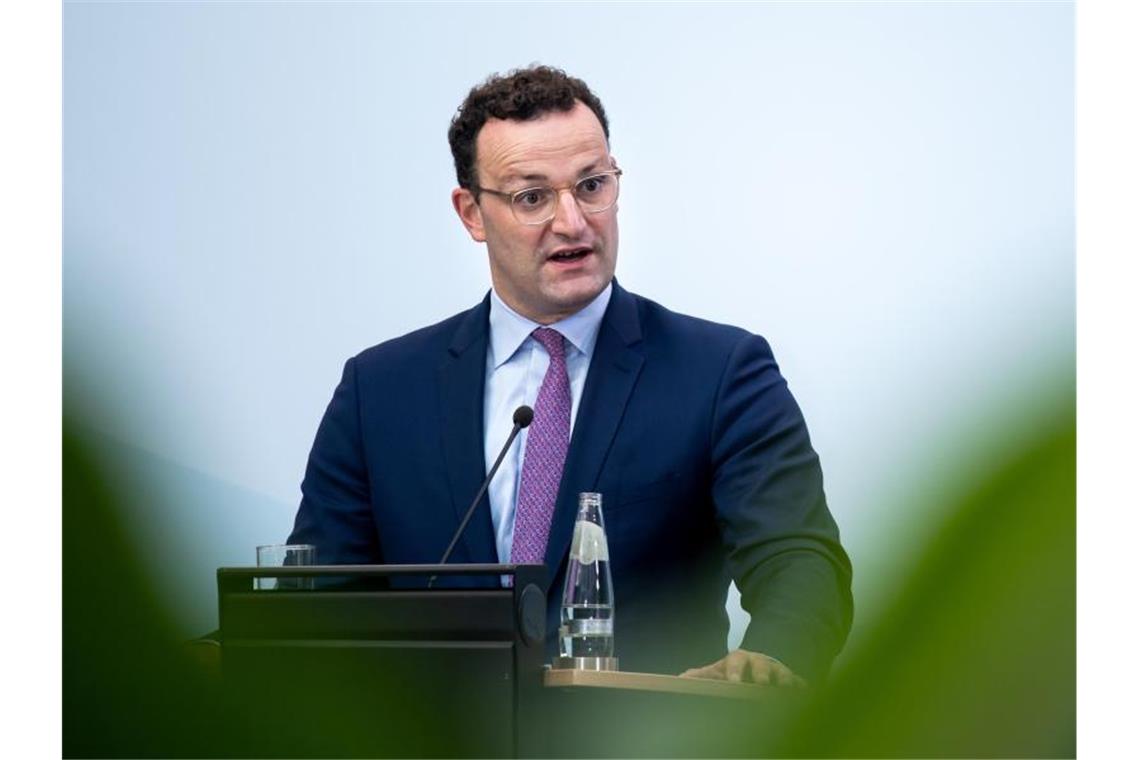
(509, 329)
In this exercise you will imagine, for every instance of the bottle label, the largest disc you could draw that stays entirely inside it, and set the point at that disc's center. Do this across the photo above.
(589, 543)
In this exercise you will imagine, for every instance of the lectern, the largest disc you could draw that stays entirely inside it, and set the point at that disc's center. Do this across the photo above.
(370, 661)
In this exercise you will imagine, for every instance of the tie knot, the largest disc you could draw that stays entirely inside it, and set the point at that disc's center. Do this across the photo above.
(551, 340)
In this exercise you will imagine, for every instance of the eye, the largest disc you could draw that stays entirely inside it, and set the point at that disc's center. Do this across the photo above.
(531, 197)
(593, 185)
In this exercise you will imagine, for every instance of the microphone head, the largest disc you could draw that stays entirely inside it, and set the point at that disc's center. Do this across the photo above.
(524, 415)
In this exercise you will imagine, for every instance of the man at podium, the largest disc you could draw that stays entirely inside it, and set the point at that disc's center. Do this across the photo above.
(685, 426)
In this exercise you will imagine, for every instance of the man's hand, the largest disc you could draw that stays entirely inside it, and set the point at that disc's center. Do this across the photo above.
(742, 665)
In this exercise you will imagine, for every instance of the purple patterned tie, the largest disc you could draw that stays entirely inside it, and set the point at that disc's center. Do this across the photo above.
(546, 443)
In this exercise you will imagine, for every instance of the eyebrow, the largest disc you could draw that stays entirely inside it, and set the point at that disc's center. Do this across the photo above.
(585, 171)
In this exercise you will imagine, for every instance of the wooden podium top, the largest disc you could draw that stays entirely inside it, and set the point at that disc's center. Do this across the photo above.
(654, 682)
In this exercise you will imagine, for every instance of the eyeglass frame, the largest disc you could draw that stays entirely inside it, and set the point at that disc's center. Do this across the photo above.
(510, 197)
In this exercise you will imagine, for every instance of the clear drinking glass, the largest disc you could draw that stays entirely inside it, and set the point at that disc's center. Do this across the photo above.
(285, 555)
(587, 628)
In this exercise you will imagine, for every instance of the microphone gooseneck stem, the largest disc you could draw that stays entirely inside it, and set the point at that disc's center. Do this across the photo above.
(482, 490)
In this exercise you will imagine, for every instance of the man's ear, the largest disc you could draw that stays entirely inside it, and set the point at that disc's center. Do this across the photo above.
(469, 213)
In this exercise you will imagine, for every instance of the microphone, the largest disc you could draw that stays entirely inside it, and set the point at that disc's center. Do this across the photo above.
(523, 416)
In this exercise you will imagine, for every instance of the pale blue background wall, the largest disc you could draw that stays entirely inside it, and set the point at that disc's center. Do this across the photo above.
(255, 192)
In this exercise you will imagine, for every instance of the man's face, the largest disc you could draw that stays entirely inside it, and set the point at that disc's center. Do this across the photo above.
(529, 266)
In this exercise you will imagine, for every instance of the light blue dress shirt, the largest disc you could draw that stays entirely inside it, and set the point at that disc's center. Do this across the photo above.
(516, 364)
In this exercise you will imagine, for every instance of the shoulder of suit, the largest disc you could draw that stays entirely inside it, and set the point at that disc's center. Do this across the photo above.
(661, 323)
(417, 345)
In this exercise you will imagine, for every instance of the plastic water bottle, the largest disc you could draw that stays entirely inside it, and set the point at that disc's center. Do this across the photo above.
(587, 628)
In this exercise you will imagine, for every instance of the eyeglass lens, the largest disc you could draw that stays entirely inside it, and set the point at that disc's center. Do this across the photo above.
(594, 194)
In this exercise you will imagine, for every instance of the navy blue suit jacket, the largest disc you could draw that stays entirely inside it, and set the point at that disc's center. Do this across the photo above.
(686, 427)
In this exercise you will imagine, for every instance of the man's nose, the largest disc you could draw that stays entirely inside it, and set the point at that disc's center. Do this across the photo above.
(569, 220)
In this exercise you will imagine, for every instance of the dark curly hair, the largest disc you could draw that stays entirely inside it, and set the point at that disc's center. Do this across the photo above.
(519, 95)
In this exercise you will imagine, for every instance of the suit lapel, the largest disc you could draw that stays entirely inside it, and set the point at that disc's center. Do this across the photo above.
(613, 373)
(461, 378)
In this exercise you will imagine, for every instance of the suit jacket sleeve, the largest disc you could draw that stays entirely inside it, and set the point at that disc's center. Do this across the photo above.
(783, 545)
(336, 513)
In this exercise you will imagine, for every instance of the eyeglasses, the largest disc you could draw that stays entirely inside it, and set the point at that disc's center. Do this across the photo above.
(536, 205)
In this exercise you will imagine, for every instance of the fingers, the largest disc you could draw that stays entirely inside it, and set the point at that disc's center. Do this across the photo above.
(783, 676)
(780, 674)
(715, 670)
(736, 664)
(741, 666)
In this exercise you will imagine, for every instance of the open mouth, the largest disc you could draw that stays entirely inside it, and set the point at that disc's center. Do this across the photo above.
(570, 255)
